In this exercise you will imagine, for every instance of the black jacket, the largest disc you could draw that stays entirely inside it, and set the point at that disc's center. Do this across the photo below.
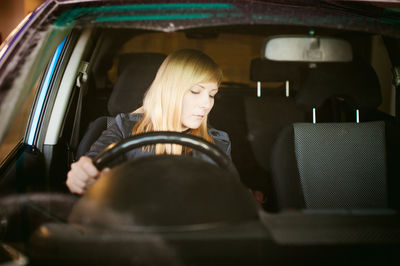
(122, 129)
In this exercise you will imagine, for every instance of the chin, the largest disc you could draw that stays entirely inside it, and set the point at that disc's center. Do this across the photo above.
(192, 125)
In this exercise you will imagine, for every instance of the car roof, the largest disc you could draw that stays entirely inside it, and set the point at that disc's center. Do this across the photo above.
(350, 15)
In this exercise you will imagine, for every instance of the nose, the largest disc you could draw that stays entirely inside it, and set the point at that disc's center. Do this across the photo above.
(205, 101)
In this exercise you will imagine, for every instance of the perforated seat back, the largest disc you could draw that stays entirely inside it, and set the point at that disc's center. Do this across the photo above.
(342, 165)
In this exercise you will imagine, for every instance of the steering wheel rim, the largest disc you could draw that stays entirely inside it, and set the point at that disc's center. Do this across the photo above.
(161, 137)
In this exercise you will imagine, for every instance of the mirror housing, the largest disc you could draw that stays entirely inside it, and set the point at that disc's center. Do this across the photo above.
(307, 49)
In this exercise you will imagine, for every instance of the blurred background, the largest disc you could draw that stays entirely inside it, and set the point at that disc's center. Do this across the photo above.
(12, 12)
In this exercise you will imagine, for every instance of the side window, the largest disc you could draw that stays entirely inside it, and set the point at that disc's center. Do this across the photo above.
(18, 127)
(17, 130)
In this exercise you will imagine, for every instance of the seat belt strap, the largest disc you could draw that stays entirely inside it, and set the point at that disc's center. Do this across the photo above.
(81, 83)
(396, 84)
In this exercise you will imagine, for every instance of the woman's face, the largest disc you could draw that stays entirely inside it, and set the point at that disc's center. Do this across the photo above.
(197, 103)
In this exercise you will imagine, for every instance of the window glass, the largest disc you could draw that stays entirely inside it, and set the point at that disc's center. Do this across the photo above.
(240, 48)
(17, 130)
(20, 95)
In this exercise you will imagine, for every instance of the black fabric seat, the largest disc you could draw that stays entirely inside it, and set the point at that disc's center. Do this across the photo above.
(337, 90)
(265, 70)
(135, 73)
(229, 114)
(93, 133)
(267, 114)
(333, 165)
(269, 110)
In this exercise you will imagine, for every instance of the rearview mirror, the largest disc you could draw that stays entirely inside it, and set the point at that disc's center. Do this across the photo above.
(307, 49)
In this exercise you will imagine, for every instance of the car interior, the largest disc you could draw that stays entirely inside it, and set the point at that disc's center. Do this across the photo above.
(263, 105)
(265, 109)
(313, 136)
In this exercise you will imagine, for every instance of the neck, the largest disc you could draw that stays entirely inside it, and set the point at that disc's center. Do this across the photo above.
(185, 130)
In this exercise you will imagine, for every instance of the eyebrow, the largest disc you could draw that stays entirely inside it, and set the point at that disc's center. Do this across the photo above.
(204, 87)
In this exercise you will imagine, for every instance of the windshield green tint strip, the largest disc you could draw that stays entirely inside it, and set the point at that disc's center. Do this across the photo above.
(392, 10)
(70, 15)
(155, 17)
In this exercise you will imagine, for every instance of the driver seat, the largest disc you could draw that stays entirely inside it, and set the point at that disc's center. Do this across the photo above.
(136, 72)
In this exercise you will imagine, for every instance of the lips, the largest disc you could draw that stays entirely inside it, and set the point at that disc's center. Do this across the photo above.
(199, 116)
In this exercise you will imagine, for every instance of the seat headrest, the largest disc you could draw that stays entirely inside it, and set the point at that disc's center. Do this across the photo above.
(356, 82)
(136, 72)
(274, 71)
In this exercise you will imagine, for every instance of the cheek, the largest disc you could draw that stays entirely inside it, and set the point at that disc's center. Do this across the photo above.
(186, 104)
(211, 104)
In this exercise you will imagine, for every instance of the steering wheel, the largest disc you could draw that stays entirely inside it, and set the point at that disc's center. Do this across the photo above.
(151, 138)
(152, 195)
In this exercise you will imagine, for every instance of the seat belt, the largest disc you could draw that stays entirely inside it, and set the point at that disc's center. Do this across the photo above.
(81, 83)
(396, 85)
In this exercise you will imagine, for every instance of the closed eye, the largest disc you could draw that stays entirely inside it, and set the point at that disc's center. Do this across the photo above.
(213, 93)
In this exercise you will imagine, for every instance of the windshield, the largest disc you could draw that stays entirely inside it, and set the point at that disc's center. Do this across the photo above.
(299, 148)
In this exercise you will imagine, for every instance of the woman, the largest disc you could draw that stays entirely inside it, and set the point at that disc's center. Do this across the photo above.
(179, 99)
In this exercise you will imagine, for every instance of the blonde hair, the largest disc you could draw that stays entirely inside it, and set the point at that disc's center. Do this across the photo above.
(162, 103)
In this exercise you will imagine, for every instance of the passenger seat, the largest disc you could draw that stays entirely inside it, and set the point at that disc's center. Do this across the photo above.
(339, 165)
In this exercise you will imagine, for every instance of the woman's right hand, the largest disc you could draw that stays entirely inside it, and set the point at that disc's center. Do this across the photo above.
(82, 175)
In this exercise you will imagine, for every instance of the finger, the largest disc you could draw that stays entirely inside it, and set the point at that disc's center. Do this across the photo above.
(73, 181)
(88, 167)
(78, 183)
(77, 190)
(74, 188)
(77, 172)
(84, 169)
